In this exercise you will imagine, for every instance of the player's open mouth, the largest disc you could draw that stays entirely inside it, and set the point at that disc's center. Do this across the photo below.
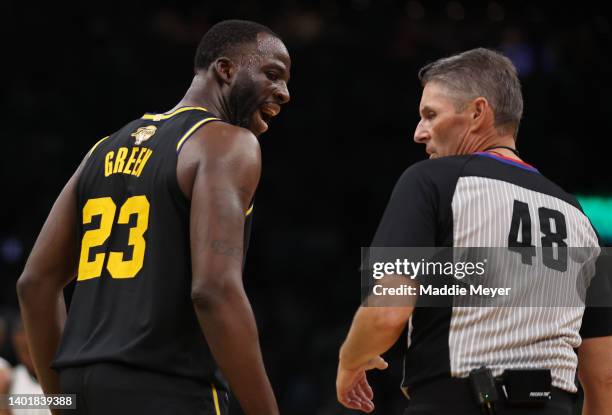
(266, 112)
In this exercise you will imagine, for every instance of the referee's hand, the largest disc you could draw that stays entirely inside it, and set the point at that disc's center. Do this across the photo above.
(352, 387)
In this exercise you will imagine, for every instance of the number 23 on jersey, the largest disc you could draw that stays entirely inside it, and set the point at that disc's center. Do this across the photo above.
(117, 267)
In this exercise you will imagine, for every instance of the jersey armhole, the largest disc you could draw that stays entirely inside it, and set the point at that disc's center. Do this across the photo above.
(90, 152)
(192, 130)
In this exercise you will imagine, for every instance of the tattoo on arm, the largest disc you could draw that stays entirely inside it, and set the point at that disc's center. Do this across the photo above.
(225, 248)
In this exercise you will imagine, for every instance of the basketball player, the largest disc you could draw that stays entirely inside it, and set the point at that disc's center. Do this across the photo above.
(476, 191)
(154, 226)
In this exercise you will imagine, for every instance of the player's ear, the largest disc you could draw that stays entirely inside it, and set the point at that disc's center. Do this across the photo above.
(224, 69)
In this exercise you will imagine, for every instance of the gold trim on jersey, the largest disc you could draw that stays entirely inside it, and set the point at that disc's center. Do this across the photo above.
(192, 129)
(96, 145)
(249, 211)
(215, 399)
(157, 117)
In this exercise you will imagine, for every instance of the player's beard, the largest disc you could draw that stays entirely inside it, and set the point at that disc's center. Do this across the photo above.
(244, 101)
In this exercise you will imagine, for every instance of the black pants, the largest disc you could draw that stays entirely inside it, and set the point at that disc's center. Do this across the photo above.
(455, 397)
(117, 389)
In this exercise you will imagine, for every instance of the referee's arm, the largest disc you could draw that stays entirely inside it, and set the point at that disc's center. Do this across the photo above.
(373, 332)
(409, 221)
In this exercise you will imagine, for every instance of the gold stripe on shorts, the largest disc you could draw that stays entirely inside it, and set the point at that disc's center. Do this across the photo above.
(216, 399)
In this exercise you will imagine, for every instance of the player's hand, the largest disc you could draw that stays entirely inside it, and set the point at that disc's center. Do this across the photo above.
(352, 387)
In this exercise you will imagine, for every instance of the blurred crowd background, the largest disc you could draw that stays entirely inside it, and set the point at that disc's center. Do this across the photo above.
(330, 160)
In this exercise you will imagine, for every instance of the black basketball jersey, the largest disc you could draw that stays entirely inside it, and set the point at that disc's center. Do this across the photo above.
(473, 201)
(132, 302)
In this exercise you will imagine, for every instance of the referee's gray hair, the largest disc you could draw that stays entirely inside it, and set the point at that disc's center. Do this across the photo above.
(480, 73)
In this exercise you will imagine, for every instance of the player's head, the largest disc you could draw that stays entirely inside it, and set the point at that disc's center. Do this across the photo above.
(252, 65)
(466, 99)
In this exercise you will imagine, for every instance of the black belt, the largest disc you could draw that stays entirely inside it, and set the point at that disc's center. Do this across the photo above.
(457, 394)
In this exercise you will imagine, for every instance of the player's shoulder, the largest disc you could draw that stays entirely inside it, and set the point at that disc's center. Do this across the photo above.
(114, 136)
(224, 130)
(224, 135)
(220, 141)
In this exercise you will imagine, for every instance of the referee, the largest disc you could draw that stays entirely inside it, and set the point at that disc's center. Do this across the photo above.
(476, 191)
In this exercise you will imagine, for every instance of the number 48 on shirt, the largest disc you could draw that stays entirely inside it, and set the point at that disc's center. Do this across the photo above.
(554, 233)
(116, 266)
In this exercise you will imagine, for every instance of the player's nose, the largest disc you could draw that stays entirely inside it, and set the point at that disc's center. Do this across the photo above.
(282, 94)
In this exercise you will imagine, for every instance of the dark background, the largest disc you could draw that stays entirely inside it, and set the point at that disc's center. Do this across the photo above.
(330, 160)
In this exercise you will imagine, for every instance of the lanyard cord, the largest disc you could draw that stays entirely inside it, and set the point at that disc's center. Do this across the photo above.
(514, 150)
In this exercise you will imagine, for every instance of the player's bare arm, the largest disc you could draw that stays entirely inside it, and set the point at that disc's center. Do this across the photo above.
(374, 331)
(595, 374)
(50, 267)
(219, 170)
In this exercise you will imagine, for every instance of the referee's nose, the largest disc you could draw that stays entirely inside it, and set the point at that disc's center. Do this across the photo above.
(421, 135)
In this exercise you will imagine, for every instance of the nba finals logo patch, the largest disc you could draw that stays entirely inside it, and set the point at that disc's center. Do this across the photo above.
(144, 133)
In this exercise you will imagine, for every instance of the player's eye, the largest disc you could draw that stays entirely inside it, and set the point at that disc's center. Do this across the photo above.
(272, 76)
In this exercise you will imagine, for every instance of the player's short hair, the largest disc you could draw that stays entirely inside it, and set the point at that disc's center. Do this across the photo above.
(480, 73)
(223, 37)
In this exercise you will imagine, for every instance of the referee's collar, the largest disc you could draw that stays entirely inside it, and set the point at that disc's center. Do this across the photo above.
(508, 160)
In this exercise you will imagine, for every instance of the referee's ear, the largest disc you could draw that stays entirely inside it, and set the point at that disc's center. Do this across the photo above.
(481, 113)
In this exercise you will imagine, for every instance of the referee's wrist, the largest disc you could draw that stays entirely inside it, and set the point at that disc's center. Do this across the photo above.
(346, 363)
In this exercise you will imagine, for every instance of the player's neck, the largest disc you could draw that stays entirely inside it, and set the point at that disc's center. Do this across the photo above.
(202, 94)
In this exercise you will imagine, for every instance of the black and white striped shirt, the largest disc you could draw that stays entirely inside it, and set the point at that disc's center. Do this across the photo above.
(480, 200)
